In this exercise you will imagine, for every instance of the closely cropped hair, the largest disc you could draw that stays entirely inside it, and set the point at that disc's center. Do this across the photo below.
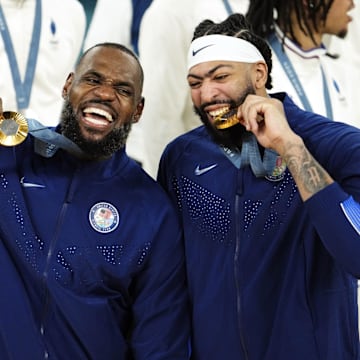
(237, 26)
(261, 15)
(120, 47)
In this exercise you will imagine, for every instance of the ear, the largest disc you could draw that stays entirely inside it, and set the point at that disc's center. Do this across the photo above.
(260, 75)
(67, 84)
(139, 110)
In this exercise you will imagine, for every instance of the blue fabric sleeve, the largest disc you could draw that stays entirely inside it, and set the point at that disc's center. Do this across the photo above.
(336, 219)
(351, 209)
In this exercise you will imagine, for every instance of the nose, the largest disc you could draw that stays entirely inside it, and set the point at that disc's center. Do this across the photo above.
(208, 92)
(105, 90)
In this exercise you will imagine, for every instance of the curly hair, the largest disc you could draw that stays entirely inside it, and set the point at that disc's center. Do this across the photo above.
(236, 25)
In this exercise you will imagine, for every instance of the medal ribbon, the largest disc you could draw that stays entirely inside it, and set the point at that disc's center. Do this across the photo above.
(227, 6)
(22, 89)
(250, 155)
(291, 74)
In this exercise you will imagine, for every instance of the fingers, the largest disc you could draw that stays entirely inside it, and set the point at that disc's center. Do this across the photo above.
(251, 112)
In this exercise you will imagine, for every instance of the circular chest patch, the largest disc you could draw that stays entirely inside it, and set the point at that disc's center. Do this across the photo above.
(279, 170)
(104, 217)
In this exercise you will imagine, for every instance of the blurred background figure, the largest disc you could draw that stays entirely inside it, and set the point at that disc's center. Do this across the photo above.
(165, 34)
(348, 50)
(38, 36)
(117, 21)
(122, 28)
(109, 21)
(302, 65)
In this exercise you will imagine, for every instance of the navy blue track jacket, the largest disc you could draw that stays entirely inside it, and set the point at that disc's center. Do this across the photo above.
(270, 277)
(91, 260)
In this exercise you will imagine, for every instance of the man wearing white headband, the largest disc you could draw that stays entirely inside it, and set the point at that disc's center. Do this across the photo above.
(268, 195)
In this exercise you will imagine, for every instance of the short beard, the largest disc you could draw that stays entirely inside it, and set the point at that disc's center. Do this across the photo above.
(231, 137)
(104, 148)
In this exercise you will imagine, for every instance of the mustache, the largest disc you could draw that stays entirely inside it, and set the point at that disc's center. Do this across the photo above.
(232, 136)
(231, 103)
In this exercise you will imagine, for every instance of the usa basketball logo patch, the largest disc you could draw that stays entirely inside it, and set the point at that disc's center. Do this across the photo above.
(279, 170)
(104, 217)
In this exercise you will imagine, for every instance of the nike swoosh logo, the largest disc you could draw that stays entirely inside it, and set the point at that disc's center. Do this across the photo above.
(199, 171)
(29, 184)
(194, 52)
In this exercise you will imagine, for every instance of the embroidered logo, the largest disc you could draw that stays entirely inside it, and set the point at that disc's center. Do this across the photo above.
(104, 217)
(279, 170)
(199, 171)
(26, 184)
(194, 52)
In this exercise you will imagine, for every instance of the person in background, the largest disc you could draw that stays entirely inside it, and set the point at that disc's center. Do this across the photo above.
(103, 27)
(302, 66)
(268, 196)
(348, 52)
(40, 43)
(91, 251)
(165, 34)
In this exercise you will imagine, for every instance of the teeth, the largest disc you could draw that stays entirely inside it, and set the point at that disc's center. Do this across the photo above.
(219, 112)
(100, 112)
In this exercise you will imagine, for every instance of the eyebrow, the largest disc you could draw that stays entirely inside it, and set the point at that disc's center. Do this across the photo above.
(210, 72)
(103, 78)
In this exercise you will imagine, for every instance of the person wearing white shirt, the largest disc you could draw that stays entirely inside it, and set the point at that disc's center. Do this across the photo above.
(38, 36)
(348, 64)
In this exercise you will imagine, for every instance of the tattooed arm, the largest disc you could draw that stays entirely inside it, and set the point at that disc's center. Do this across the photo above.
(308, 174)
(265, 117)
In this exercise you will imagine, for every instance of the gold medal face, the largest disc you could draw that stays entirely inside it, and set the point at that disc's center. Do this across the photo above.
(13, 128)
(224, 123)
(226, 119)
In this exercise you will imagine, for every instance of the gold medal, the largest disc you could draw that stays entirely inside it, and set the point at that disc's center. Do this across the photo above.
(224, 121)
(13, 128)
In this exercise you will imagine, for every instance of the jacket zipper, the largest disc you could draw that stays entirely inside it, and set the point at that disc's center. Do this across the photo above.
(238, 194)
(50, 254)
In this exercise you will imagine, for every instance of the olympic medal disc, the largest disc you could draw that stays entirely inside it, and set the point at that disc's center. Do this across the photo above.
(225, 123)
(13, 128)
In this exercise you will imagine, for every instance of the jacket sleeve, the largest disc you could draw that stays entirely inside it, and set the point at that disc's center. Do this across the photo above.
(336, 147)
(335, 216)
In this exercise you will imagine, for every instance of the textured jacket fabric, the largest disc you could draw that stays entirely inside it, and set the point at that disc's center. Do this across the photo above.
(270, 277)
(91, 255)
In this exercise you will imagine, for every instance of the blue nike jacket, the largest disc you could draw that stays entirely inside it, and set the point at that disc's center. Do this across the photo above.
(270, 277)
(91, 261)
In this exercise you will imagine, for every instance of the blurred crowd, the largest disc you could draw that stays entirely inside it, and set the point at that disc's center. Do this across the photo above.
(159, 31)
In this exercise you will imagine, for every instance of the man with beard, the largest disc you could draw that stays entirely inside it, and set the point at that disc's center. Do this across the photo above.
(91, 251)
(268, 195)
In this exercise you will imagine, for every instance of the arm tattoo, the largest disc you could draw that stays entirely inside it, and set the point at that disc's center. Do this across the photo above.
(306, 171)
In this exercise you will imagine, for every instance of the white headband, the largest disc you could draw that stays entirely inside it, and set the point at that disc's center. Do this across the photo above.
(222, 47)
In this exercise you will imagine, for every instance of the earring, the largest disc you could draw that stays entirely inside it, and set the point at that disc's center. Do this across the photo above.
(311, 5)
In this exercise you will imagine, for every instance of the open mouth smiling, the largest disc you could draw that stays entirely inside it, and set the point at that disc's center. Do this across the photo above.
(97, 117)
(224, 117)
